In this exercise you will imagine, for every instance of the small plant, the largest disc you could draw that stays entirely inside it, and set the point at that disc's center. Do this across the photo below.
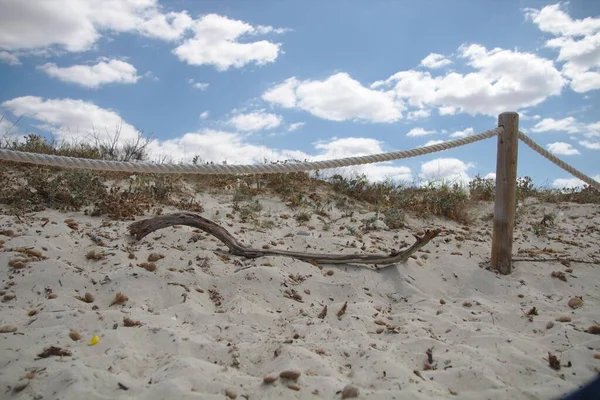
(303, 216)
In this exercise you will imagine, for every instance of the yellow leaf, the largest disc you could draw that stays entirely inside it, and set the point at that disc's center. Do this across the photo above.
(95, 339)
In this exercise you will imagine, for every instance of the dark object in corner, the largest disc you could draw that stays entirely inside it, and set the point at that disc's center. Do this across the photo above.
(591, 391)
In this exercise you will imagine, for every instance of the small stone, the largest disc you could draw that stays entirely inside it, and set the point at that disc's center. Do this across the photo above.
(594, 330)
(349, 392)
(549, 325)
(8, 329)
(270, 379)
(230, 393)
(290, 374)
(9, 296)
(575, 302)
(563, 318)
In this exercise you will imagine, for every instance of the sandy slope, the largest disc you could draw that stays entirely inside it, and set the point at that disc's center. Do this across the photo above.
(208, 327)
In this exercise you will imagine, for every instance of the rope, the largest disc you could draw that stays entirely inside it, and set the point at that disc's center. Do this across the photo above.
(212, 169)
(536, 147)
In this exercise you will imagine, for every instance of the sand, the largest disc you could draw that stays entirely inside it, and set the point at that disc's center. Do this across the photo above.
(210, 326)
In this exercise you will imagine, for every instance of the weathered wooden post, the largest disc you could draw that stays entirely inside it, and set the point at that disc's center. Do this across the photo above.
(506, 193)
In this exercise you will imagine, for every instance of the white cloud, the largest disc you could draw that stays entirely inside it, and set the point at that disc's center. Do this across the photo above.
(216, 42)
(568, 124)
(448, 110)
(568, 183)
(590, 145)
(295, 126)
(170, 26)
(7, 127)
(578, 43)
(75, 25)
(562, 148)
(338, 98)
(413, 115)
(435, 60)
(416, 132)
(204, 115)
(503, 80)
(70, 119)
(491, 175)
(93, 76)
(198, 85)
(463, 133)
(446, 169)
(255, 121)
(10, 59)
(356, 147)
(73, 120)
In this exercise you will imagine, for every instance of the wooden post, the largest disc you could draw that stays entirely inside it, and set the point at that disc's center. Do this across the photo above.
(506, 193)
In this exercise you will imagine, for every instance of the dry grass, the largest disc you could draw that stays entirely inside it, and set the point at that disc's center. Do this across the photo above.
(124, 196)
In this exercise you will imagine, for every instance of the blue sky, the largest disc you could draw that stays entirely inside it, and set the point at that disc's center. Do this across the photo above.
(244, 81)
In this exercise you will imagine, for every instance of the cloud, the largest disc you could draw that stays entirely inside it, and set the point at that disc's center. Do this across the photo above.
(7, 127)
(93, 76)
(448, 110)
(462, 134)
(577, 41)
(74, 120)
(255, 121)
(216, 42)
(356, 147)
(38, 25)
(413, 115)
(10, 59)
(170, 26)
(569, 125)
(447, 169)
(562, 148)
(198, 85)
(204, 115)
(295, 126)
(568, 183)
(337, 98)
(70, 119)
(590, 145)
(76, 26)
(416, 132)
(490, 175)
(434, 61)
(503, 80)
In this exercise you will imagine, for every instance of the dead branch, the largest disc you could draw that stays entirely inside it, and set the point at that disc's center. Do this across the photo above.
(142, 228)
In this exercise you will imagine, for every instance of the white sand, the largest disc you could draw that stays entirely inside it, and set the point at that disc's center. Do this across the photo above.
(189, 347)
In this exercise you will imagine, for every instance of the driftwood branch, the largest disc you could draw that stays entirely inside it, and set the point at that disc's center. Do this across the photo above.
(142, 228)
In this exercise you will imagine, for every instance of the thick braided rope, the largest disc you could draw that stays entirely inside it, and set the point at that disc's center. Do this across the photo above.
(211, 169)
(536, 147)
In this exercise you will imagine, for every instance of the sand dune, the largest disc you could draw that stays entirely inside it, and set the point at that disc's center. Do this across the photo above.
(209, 326)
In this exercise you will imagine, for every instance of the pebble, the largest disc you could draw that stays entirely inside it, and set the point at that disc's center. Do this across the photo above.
(575, 302)
(232, 394)
(8, 329)
(349, 392)
(290, 374)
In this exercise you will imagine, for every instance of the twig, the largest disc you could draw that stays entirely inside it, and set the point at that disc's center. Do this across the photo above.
(142, 228)
(187, 289)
